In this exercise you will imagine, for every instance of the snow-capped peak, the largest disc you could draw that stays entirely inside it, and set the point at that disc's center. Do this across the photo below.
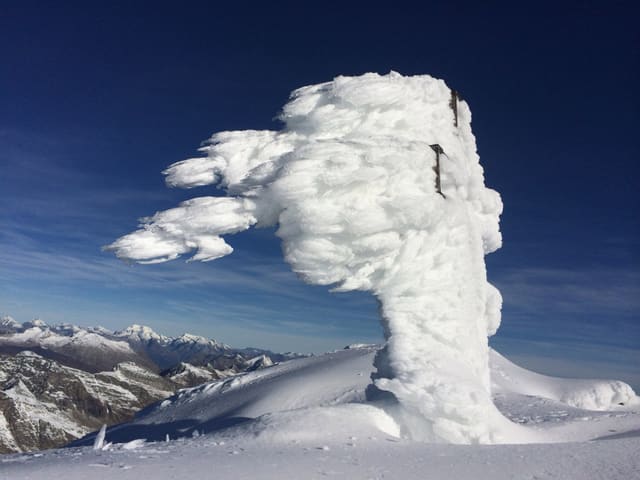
(260, 361)
(100, 330)
(189, 338)
(141, 333)
(8, 321)
(36, 322)
(28, 353)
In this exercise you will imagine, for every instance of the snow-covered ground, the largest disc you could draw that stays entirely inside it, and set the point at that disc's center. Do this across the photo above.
(308, 418)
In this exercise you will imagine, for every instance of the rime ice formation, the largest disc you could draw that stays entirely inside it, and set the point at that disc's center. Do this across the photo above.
(351, 184)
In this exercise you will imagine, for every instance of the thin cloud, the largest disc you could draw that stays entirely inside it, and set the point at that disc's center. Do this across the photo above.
(571, 291)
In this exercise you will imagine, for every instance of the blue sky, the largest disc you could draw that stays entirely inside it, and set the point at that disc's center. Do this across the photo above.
(96, 100)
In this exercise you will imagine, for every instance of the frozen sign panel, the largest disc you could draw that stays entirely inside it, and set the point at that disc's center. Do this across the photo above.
(374, 184)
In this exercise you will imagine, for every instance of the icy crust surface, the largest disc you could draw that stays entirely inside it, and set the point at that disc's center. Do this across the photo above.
(350, 182)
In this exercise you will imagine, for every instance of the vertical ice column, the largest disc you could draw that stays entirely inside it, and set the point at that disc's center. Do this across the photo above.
(435, 359)
(437, 308)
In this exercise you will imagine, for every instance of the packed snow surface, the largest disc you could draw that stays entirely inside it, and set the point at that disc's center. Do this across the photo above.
(375, 184)
(307, 418)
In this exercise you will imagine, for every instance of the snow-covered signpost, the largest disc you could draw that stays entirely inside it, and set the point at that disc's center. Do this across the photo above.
(350, 182)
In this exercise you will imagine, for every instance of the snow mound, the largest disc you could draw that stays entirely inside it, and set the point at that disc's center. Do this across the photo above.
(323, 397)
(332, 379)
(578, 393)
(303, 425)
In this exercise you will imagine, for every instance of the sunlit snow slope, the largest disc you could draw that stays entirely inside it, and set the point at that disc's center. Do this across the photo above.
(307, 419)
(284, 399)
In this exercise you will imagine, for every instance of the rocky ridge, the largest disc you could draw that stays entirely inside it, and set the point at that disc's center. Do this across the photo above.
(59, 382)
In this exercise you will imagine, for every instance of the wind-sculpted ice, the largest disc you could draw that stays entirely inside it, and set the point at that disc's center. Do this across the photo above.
(350, 183)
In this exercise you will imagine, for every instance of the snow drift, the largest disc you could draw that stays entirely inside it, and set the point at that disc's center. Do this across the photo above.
(353, 182)
(578, 393)
(322, 398)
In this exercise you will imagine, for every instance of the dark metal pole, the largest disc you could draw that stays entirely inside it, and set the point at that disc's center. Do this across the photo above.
(453, 103)
(438, 149)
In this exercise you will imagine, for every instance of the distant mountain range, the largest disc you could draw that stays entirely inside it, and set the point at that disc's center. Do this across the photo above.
(59, 382)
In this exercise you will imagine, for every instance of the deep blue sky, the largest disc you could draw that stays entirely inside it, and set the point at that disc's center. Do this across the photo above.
(96, 98)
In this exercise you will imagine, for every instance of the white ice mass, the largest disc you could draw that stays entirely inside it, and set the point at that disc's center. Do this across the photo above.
(375, 184)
